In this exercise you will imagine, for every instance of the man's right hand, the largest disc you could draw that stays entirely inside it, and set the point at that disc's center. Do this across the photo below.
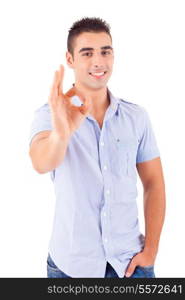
(66, 117)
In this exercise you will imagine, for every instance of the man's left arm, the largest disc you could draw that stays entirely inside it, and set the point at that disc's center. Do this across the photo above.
(151, 175)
